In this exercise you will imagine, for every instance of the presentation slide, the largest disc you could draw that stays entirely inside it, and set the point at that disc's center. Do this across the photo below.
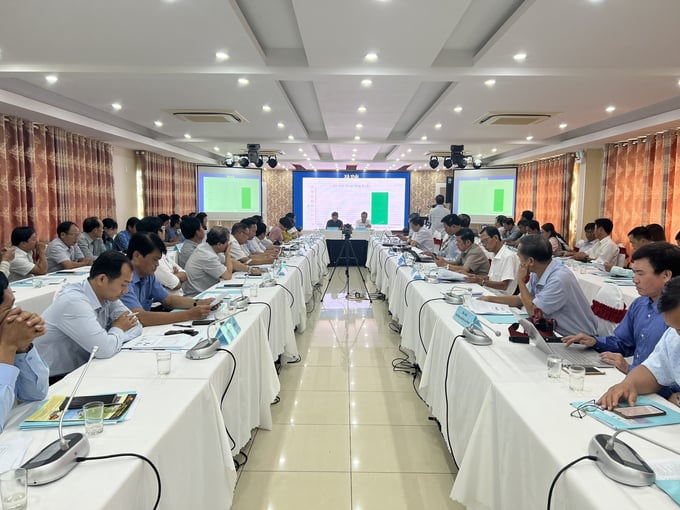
(384, 196)
(484, 194)
(229, 193)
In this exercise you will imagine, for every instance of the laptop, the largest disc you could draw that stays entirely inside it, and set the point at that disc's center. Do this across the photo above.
(573, 354)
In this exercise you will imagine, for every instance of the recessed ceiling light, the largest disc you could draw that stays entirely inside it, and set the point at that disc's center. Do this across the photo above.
(398, 159)
(359, 125)
(216, 149)
(361, 109)
(51, 79)
(520, 57)
(490, 83)
(408, 150)
(280, 125)
(158, 123)
(291, 137)
(610, 109)
(116, 106)
(402, 155)
(366, 82)
(529, 138)
(266, 108)
(354, 150)
(371, 57)
(423, 138)
(458, 109)
(299, 149)
(357, 138)
(304, 154)
(309, 159)
(187, 136)
(438, 125)
(221, 56)
(479, 155)
(494, 149)
(243, 82)
(563, 125)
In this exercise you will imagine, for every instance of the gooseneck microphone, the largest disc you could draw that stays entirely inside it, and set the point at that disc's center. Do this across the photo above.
(58, 458)
(495, 331)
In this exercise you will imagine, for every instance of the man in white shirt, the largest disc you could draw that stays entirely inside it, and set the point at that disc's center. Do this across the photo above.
(590, 240)
(436, 215)
(504, 264)
(421, 237)
(168, 274)
(364, 222)
(605, 251)
(89, 313)
(25, 242)
(90, 240)
(63, 251)
(239, 252)
(204, 268)
(449, 248)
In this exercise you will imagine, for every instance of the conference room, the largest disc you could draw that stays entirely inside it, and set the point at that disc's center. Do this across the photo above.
(338, 365)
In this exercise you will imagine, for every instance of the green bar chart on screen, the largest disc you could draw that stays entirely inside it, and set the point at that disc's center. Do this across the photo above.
(245, 198)
(498, 200)
(380, 206)
(241, 195)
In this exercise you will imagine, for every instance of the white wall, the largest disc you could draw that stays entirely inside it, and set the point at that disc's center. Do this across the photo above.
(124, 184)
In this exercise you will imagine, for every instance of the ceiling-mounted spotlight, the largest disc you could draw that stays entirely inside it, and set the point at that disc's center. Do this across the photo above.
(476, 163)
(434, 162)
(259, 162)
(229, 160)
(244, 161)
(457, 157)
(272, 161)
(448, 162)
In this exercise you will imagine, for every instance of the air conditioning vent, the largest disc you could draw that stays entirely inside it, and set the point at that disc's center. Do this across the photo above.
(209, 116)
(512, 119)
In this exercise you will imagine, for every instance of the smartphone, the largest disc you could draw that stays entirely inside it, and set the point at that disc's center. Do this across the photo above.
(216, 302)
(639, 411)
(519, 339)
(593, 371)
(202, 322)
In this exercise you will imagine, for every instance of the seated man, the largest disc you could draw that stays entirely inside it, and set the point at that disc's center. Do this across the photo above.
(25, 242)
(193, 234)
(173, 234)
(204, 268)
(90, 240)
(145, 251)
(420, 237)
(504, 264)
(253, 244)
(120, 242)
(552, 289)
(449, 248)
(63, 251)
(334, 222)
(23, 374)
(239, 252)
(472, 258)
(605, 251)
(363, 222)
(169, 274)
(533, 228)
(638, 333)
(110, 227)
(590, 240)
(261, 236)
(638, 237)
(89, 313)
(6, 258)
(511, 232)
(662, 367)
(523, 230)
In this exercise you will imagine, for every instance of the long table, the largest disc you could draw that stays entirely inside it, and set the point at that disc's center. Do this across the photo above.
(181, 422)
(507, 425)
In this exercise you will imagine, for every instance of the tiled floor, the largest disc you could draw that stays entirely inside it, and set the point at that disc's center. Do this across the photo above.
(349, 432)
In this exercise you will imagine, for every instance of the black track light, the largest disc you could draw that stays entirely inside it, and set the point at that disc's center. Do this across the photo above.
(434, 162)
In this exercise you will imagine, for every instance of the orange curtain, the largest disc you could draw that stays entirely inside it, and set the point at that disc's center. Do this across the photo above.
(84, 171)
(545, 188)
(169, 185)
(184, 174)
(524, 200)
(51, 176)
(642, 185)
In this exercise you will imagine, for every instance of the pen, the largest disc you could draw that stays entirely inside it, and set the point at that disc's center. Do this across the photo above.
(133, 314)
(182, 325)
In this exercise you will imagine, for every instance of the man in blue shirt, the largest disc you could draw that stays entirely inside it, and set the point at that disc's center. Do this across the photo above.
(552, 288)
(23, 374)
(89, 313)
(120, 242)
(145, 251)
(662, 367)
(653, 264)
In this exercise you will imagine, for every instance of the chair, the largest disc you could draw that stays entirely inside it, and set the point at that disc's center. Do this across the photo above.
(609, 308)
(621, 259)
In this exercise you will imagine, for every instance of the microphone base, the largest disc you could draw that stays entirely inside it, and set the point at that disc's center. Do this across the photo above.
(204, 349)
(53, 463)
(620, 462)
(476, 336)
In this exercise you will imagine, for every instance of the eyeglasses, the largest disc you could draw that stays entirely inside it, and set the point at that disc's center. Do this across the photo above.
(582, 410)
(484, 241)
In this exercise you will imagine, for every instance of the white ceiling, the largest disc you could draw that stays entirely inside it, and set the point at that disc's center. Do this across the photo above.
(305, 59)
